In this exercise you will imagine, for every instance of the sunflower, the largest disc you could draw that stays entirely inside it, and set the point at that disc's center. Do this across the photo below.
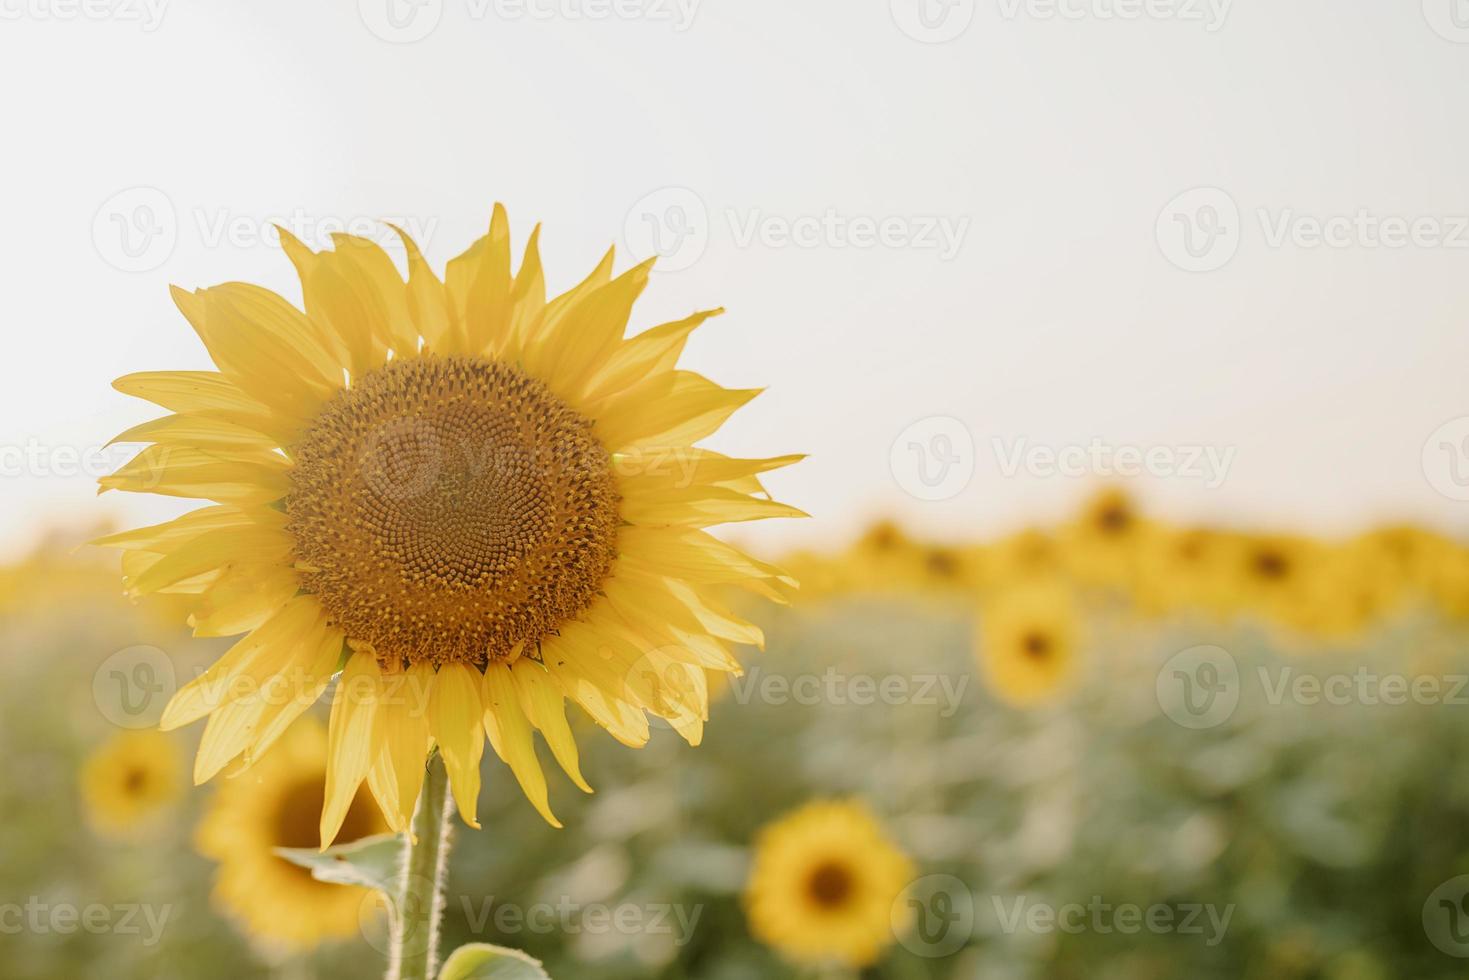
(1185, 569)
(823, 885)
(472, 502)
(278, 804)
(131, 781)
(1102, 546)
(1026, 555)
(1028, 639)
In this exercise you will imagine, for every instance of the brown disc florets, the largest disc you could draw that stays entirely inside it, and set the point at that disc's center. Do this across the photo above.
(450, 508)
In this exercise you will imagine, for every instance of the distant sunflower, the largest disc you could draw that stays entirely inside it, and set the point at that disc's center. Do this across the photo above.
(1274, 573)
(131, 781)
(471, 501)
(823, 885)
(278, 804)
(1103, 545)
(1028, 639)
(1026, 555)
(1186, 569)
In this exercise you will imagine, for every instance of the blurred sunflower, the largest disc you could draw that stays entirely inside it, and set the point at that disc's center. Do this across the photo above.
(278, 804)
(1272, 573)
(1026, 555)
(1028, 638)
(471, 501)
(1102, 546)
(1185, 568)
(131, 781)
(823, 884)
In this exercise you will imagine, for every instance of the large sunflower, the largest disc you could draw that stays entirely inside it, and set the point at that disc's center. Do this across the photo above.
(471, 501)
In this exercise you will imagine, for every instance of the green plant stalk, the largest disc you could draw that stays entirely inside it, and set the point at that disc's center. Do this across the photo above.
(420, 905)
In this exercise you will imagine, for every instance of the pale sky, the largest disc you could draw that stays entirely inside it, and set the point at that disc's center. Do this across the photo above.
(915, 211)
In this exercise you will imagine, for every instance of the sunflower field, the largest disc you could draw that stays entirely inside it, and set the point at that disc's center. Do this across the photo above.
(1111, 748)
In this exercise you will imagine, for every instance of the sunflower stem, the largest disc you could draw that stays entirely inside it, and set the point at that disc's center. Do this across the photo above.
(415, 950)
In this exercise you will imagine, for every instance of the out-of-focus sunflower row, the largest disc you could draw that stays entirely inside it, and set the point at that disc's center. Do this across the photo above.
(1313, 588)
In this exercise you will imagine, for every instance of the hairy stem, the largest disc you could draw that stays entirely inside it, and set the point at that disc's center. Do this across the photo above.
(415, 950)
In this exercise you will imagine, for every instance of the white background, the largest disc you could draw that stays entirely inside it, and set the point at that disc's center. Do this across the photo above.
(1059, 140)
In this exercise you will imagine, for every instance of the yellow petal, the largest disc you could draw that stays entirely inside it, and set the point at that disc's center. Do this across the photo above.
(428, 302)
(510, 734)
(455, 721)
(545, 706)
(667, 410)
(350, 748)
(654, 351)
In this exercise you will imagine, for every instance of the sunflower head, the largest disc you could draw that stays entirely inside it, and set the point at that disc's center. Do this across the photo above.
(824, 883)
(131, 781)
(1028, 639)
(472, 501)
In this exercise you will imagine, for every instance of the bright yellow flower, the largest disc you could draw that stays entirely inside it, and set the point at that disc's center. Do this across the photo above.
(131, 781)
(823, 885)
(278, 804)
(472, 502)
(1028, 639)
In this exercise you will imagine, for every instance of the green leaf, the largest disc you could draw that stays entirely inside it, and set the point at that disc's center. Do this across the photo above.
(481, 961)
(372, 862)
